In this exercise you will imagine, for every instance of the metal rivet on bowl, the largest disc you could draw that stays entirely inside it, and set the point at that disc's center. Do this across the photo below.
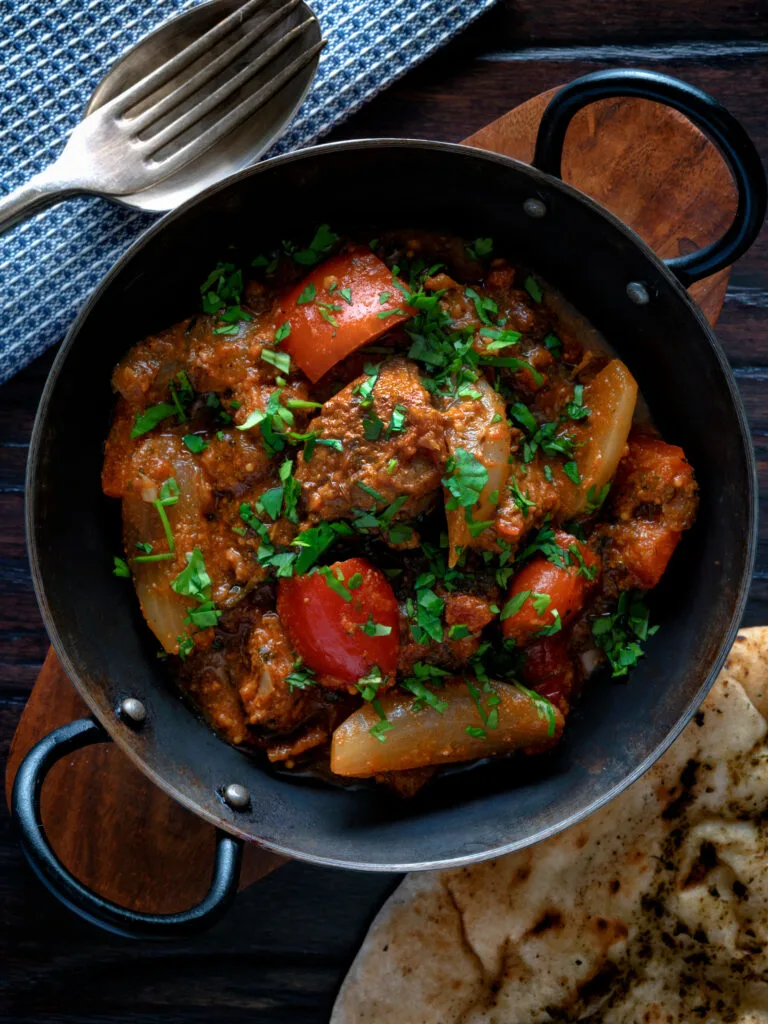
(535, 208)
(638, 293)
(132, 711)
(237, 796)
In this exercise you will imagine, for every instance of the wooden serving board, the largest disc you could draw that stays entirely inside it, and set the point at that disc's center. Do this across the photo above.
(120, 834)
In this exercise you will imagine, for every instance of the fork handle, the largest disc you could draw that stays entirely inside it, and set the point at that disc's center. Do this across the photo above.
(39, 192)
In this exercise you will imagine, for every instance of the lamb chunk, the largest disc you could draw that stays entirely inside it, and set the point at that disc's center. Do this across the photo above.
(265, 693)
(409, 462)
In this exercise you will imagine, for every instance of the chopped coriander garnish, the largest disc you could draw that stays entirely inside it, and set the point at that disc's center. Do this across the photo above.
(186, 645)
(253, 420)
(369, 684)
(282, 333)
(194, 443)
(355, 581)
(336, 583)
(533, 288)
(149, 419)
(384, 297)
(554, 345)
(397, 421)
(165, 557)
(465, 478)
(279, 359)
(392, 465)
(458, 631)
(307, 295)
(371, 492)
(372, 628)
(121, 568)
(204, 616)
(193, 581)
(476, 732)
(544, 707)
(323, 241)
(621, 633)
(386, 313)
(416, 685)
(300, 403)
(571, 470)
(381, 727)
(301, 677)
(372, 427)
(540, 603)
(523, 501)
(425, 611)
(515, 603)
(346, 294)
(596, 499)
(575, 409)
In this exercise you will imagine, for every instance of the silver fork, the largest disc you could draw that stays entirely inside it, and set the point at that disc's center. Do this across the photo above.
(129, 144)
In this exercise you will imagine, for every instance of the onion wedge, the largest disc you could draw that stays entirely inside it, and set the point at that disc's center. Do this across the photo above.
(427, 737)
(600, 440)
(471, 428)
(163, 608)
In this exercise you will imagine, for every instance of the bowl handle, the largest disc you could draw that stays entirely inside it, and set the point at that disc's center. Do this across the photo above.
(707, 114)
(25, 809)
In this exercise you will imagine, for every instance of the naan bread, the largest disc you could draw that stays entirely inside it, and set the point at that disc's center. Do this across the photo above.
(653, 911)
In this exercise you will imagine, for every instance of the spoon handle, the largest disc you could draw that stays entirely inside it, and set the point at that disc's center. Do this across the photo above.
(39, 192)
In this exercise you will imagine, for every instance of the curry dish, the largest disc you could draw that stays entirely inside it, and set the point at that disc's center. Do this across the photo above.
(387, 505)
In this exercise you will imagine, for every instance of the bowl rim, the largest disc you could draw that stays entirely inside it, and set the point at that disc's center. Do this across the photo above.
(537, 177)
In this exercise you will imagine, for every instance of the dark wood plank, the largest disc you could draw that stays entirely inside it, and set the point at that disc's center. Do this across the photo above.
(282, 951)
(543, 22)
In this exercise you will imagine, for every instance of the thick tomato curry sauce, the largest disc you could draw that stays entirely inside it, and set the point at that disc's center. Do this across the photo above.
(385, 507)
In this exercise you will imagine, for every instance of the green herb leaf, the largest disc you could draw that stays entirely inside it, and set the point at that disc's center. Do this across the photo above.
(515, 603)
(533, 288)
(544, 708)
(149, 419)
(596, 499)
(308, 294)
(621, 633)
(186, 645)
(194, 443)
(571, 470)
(575, 409)
(335, 584)
(301, 677)
(323, 241)
(458, 631)
(369, 684)
(372, 628)
(466, 477)
(193, 581)
(282, 333)
(121, 568)
(522, 501)
(279, 359)
(397, 422)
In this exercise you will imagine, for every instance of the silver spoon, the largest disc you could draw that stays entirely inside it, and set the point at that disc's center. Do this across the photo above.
(202, 96)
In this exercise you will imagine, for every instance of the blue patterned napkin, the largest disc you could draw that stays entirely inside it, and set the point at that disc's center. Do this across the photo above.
(52, 57)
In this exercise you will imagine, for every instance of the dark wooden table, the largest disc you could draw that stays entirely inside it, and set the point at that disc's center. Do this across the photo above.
(281, 953)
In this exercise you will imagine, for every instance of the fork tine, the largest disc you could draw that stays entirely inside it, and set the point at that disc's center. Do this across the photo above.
(147, 85)
(195, 148)
(205, 74)
(215, 99)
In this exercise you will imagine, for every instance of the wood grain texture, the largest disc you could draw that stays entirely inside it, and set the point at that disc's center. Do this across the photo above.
(676, 192)
(119, 834)
(280, 954)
